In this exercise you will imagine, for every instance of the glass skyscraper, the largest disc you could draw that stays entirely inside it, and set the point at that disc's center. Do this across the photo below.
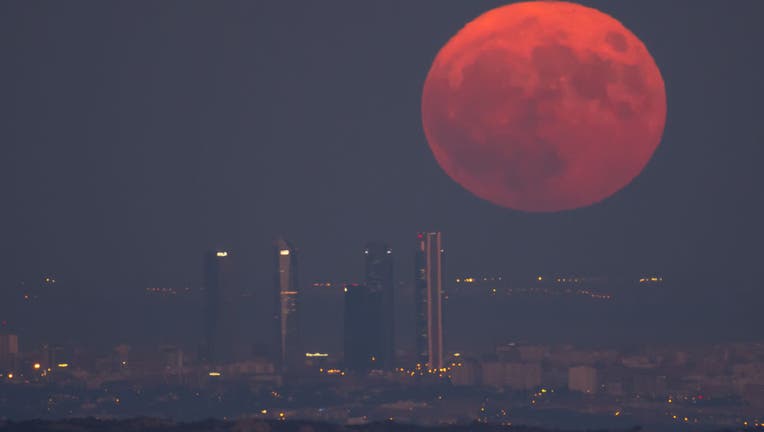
(287, 297)
(428, 290)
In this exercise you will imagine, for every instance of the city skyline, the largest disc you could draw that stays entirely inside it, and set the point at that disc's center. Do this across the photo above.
(637, 382)
(369, 317)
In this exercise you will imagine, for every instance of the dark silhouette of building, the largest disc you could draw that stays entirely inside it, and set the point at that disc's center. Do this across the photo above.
(378, 278)
(288, 353)
(428, 289)
(220, 326)
(357, 329)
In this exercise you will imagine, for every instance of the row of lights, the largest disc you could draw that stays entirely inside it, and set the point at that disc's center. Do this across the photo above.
(37, 366)
(469, 280)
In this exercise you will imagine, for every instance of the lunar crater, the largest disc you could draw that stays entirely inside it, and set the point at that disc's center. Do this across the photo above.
(617, 41)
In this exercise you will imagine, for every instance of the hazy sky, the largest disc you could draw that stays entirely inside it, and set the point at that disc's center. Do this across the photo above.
(137, 134)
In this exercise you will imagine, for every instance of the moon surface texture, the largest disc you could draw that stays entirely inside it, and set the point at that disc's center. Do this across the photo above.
(544, 106)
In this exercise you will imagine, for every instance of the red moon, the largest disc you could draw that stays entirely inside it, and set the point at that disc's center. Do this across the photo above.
(544, 106)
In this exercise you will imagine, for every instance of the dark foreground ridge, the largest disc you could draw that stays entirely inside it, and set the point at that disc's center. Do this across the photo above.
(250, 425)
(256, 425)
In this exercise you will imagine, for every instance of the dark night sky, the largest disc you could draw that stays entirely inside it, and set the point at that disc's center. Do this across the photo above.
(135, 135)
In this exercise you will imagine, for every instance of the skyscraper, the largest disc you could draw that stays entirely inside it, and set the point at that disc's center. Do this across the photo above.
(357, 340)
(428, 289)
(220, 327)
(285, 316)
(378, 278)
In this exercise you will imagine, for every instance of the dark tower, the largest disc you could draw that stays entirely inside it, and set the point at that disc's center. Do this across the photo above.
(220, 328)
(378, 278)
(357, 343)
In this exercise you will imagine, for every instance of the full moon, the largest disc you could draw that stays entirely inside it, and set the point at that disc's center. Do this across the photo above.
(544, 106)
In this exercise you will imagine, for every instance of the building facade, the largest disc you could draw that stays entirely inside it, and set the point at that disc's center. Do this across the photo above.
(428, 290)
(357, 343)
(378, 278)
(286, 308)
(9, 352)
(220, 326)
(582, 379)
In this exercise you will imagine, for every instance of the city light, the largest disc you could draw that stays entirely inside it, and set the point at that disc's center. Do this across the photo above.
(63, 365)
(215, 374)
(222, 254)
(316, 354)
(652, 279)
(37, 366)
(284, 252)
